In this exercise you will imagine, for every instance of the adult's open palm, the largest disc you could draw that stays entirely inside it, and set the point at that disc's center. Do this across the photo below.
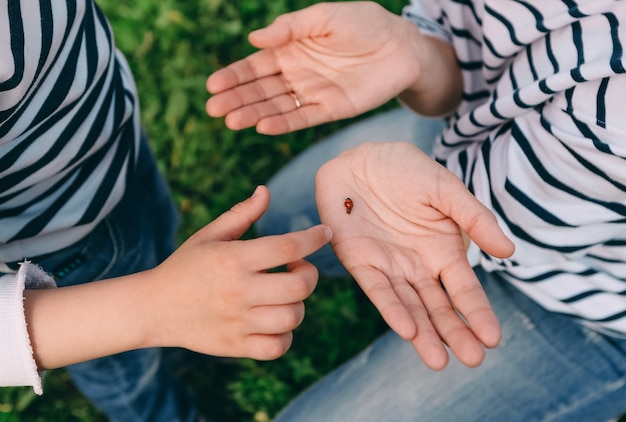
(403, 242)
(336, 60)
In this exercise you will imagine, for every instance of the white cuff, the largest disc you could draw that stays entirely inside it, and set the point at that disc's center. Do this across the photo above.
(17, 364)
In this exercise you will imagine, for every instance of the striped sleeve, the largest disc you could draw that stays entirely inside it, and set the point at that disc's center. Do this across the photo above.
(426, 20)
(540, 138)
(69, 124)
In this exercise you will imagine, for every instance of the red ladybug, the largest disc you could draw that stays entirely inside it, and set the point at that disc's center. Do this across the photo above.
(349, 205)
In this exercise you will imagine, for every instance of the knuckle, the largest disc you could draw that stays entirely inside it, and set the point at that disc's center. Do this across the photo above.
(289, 322)
(230, 261)
(293, 317)
(301, 289)
(440, 314)
(240, 210)
(288, 248)
(276, 347)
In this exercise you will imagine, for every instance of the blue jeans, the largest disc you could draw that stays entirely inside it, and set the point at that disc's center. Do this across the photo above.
(547, 368)
(137, 235)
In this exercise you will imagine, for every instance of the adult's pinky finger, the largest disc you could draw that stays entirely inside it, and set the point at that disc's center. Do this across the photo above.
(252, 114)
(258, 65)
(305, 116)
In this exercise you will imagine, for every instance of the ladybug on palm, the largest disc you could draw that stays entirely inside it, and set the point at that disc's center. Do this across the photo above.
(349, 204)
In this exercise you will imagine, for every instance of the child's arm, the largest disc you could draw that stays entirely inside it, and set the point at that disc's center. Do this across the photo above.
(213, 296)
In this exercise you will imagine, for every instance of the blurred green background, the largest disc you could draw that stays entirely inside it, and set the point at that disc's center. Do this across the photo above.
(172, 47)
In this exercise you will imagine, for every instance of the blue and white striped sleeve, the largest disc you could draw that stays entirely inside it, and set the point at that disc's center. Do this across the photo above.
(420, 16)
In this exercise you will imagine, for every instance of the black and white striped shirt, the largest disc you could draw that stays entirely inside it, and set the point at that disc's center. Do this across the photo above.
(540, 138)
(69, 126)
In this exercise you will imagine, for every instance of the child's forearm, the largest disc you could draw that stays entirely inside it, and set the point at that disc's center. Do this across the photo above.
(74, 324)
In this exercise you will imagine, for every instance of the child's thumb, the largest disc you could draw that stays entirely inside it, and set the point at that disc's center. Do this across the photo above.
(232, 224)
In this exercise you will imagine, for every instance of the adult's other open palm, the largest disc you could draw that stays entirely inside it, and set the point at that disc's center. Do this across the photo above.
(403, 242)
(316, 65)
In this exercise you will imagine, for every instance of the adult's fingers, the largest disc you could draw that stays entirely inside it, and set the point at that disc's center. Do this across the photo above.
(451, 329)
(308, 115)
(468, 298)
(474, 218)
(426, 342)
(378, 289)
(249, 94)
(281, 106)
(257, 65)
(304, 23)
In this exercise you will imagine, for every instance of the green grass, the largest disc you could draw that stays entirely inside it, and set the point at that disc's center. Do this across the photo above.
(172, 46)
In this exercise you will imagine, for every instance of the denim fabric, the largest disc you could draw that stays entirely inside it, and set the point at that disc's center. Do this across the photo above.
(137, 235)
(547, 368)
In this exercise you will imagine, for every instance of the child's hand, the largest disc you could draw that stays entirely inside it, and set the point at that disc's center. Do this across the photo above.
(215, 296)
(402, 241)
